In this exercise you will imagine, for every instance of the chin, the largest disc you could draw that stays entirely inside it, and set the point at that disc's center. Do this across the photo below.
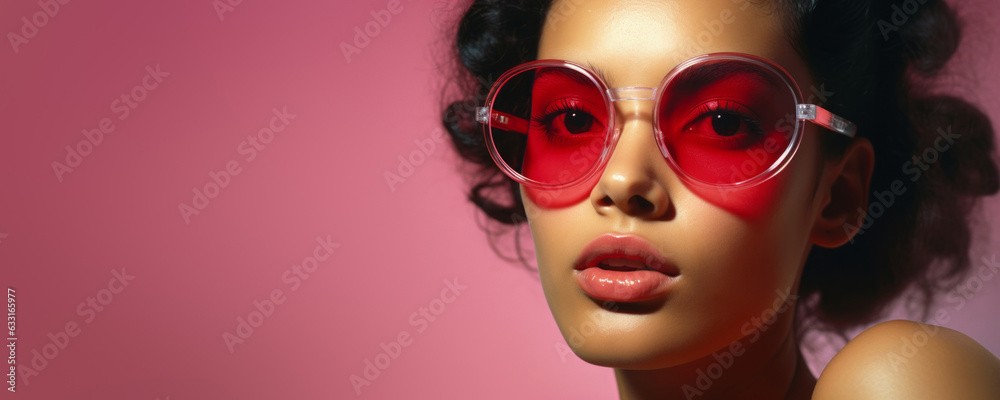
(616, 338)
(629, 357)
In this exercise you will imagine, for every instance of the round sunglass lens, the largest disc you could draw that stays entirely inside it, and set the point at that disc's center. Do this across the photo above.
(550, 124)
(727, 121)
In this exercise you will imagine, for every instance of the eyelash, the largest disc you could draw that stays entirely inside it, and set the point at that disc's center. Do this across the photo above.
(714, 107)
(561, 106)
(554, 110)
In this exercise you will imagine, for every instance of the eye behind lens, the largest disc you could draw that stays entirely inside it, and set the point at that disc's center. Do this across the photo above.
(578, 121)
(726, 124)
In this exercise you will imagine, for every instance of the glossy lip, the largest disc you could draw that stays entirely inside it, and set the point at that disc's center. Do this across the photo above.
(626, 247)
(640, 271)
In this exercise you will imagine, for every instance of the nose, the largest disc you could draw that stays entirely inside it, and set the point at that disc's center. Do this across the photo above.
(636, 179)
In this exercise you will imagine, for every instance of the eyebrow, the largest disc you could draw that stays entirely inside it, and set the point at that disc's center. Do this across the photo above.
(703, 75)
(600, 74)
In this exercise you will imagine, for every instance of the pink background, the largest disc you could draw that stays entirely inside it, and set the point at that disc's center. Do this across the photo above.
(322, 176)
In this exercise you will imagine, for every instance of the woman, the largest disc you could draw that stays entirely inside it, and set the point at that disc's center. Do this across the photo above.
(704, 180)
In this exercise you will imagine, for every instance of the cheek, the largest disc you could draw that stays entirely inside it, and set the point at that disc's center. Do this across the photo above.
(559, 198)
(556, 232)
(557, 223)
(747, 248)
(751, 203)
(734, 266)
(738, 265)
(789, 188)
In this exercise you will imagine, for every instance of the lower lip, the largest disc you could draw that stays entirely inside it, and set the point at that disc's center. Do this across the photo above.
(623, 286)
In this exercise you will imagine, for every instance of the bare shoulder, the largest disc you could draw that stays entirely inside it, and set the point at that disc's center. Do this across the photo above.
(910, 360)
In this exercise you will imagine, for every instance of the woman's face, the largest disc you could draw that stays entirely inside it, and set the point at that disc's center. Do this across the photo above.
(731, 255)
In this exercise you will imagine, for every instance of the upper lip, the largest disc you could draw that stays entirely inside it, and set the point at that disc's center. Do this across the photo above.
(627, 249)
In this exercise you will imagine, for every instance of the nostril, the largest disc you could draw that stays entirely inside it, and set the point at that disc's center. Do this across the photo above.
(640, 204)
(606, 201)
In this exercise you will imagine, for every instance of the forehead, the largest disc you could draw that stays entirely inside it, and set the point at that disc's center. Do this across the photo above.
(636, 42)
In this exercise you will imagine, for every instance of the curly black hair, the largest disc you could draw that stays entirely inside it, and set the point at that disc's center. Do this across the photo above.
(883, 73)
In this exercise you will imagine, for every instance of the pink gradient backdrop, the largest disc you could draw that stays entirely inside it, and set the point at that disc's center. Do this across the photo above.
(322, 176)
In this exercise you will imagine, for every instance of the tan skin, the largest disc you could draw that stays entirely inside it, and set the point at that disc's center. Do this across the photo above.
(734, 266)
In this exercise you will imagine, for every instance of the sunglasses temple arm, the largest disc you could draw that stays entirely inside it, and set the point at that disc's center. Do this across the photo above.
(501, 120)
(820, 116)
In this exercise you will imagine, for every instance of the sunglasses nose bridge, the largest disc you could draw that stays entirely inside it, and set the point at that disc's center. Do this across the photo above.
(632, 93)
(632, 103)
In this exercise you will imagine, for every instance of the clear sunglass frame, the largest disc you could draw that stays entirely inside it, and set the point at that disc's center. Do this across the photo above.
(802, 112)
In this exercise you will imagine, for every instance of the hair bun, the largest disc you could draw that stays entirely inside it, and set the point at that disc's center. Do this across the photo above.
(928, 31)
(959, 136)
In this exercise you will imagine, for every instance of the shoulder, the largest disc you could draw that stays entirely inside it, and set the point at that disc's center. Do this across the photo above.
(910, 360)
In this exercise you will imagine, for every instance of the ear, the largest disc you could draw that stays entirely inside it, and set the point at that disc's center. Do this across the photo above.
(844, 187)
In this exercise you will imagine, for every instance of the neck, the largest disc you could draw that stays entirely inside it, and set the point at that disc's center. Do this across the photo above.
(770, 367)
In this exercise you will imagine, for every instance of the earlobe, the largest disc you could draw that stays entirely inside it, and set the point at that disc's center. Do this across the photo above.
(845, 186)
